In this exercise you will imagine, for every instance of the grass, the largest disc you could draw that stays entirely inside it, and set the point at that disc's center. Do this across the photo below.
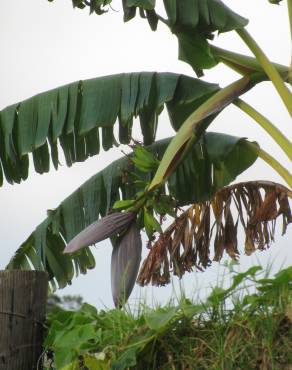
(233, 329)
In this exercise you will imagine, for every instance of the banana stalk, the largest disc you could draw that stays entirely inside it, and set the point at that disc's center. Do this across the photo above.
(244, 64)
(267, 125)
(269, 68)
(271, 161)
(289, 4)
(192, 129)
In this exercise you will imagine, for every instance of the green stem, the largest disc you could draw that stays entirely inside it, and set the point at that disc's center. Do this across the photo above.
(271, 161)
(289, 4)
(193, 127)
(143, 341)
(267, 125)
(243, 63)
(269, 68)
(163, 20)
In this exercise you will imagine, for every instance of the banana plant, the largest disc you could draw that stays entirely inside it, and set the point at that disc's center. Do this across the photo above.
(159, 178)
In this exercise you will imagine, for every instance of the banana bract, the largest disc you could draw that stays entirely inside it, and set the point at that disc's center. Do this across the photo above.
(106, 227)
(125, 263)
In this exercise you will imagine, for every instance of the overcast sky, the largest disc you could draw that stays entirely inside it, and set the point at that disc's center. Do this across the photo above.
(45, 45)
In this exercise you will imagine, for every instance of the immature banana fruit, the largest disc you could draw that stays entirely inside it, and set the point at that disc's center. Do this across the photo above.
(126, 258)
(106, 227)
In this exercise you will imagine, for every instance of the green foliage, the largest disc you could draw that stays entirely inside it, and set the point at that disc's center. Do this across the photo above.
(253, 331)
(150, 223)
(151, 182)
(192, 21)
(211, 164)
(73, 116)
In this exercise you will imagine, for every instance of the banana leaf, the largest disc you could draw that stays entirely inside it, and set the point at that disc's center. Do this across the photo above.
(77, 118)
(194, 22)
(212, 163)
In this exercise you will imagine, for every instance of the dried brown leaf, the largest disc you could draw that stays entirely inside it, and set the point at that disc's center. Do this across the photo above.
(185, 244)
(268, 209)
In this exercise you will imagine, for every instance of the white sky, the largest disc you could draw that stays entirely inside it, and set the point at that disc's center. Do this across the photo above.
(45, 45)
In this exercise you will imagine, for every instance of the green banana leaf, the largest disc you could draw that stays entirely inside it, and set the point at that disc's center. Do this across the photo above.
(192, 21)
(212, 163)
(78, 117)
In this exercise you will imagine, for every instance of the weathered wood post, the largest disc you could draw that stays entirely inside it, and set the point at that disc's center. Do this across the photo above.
(23, 296)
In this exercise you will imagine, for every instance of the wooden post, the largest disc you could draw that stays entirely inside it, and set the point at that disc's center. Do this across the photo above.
(23, 296)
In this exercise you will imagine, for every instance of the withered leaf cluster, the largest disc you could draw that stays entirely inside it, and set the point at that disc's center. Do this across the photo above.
(187, 242)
